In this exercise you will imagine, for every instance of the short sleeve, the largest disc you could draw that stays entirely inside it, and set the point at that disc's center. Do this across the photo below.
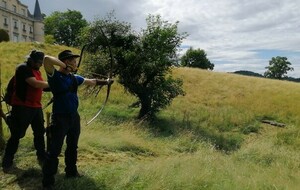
(79, 79)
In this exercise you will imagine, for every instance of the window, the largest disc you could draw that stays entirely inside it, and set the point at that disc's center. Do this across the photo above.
(15, 8)
(4, 4)
(15, 24)
(24, 12)
(15, 37)
(24, 38)
(30, 29)
(5, 21)
(24, 27)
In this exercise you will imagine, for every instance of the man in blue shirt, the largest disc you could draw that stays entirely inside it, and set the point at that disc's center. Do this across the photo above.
(65, 120)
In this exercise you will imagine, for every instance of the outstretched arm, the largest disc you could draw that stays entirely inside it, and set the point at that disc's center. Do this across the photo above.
(93, 82)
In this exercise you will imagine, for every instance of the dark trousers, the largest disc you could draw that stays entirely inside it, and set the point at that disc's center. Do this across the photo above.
(62, 126)
(22, 117)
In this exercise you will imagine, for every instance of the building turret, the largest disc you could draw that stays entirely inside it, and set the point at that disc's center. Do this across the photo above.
(38, 24)
(37, 11)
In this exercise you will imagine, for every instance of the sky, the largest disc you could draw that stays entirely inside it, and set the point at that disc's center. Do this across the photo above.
(235, 34)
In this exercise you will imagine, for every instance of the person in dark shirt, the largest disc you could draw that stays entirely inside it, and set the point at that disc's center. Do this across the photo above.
(65, 119)
(27, 108)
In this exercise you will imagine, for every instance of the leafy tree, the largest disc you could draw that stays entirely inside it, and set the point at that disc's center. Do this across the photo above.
(65, 27)
(150, 66)
(196, 58)
(278, 67)
(142, 60)
(4, 37)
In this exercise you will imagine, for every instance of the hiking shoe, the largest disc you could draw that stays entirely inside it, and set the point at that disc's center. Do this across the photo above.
(73, 175)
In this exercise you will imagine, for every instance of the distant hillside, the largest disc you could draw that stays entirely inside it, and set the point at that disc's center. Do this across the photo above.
(250, 73)
(293, 79)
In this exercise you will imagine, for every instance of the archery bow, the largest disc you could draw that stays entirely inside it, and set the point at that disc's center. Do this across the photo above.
(81, 54)
(108, 78)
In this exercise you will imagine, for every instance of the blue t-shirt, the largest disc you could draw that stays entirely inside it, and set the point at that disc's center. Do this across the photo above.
(65, 101)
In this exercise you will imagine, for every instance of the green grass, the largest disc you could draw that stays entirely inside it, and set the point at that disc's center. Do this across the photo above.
(211, 138)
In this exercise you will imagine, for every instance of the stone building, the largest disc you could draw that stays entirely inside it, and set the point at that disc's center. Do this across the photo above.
(19, 23)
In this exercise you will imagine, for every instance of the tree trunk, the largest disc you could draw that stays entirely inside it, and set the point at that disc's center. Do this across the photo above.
(145, 108)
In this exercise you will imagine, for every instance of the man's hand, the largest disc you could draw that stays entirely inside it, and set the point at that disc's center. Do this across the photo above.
(70, 68)
(109, 81)
(104, 82)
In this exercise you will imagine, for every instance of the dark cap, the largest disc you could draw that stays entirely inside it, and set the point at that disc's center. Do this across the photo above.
(36, 55)
(66, 55)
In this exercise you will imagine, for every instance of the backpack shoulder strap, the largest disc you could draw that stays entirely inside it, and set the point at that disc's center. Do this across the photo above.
(9, 91)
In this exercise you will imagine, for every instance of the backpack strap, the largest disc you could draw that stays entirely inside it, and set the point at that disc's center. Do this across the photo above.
(9, 91)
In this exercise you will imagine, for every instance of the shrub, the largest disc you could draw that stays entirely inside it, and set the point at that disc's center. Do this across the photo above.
(4, 37)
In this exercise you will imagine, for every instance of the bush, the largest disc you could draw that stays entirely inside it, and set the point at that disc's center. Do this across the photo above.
(49, 39)
(4, 37)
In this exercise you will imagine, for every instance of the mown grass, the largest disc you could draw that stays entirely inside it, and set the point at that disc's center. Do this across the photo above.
(211, 138)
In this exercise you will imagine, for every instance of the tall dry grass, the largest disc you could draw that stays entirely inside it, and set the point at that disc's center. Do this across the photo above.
(184, 148)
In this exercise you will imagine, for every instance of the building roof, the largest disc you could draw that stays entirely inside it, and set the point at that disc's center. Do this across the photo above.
(37, 11)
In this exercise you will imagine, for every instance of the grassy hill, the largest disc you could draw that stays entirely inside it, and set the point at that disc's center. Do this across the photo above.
(211, 138)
